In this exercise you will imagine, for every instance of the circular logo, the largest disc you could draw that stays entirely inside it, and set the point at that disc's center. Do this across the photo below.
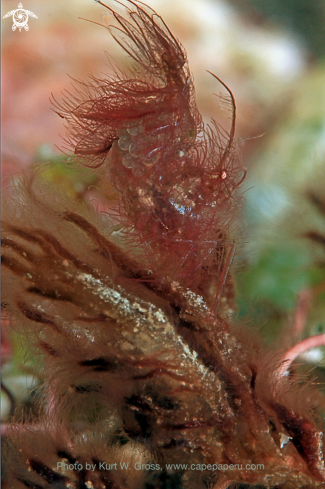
(20, 18)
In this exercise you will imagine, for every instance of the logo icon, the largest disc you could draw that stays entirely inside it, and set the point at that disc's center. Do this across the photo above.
(20, 18)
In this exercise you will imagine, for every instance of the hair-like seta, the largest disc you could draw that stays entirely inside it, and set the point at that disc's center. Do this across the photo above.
(136, 334)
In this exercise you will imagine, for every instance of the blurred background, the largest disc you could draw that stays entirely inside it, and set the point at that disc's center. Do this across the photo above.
(271, 53)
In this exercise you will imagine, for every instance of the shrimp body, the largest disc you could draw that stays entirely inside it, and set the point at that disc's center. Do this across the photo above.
(175, 176)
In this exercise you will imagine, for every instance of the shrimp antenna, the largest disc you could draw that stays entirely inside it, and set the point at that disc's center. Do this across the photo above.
(233, 122)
